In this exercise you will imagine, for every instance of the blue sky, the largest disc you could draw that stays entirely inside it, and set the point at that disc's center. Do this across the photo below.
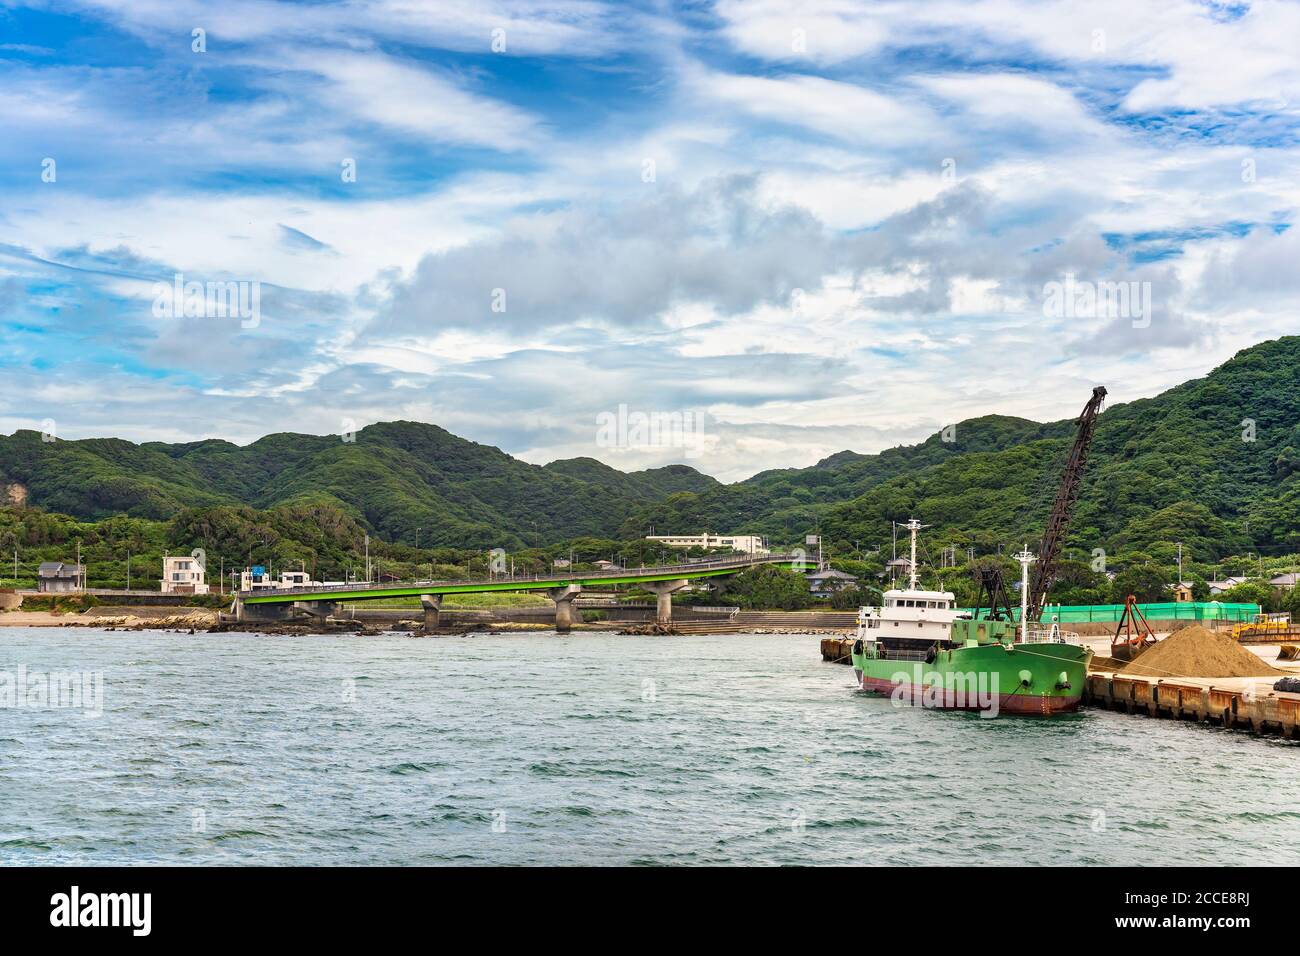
(818, 225)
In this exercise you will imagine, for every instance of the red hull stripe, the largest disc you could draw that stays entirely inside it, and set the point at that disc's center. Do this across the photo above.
(1027, 705)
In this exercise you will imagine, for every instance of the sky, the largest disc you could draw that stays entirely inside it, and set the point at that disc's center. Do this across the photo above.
(783, 228)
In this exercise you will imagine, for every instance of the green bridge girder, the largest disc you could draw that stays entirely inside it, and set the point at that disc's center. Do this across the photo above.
(596, 579)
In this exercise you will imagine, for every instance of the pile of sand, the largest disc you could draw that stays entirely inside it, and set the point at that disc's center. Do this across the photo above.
(1197, 652)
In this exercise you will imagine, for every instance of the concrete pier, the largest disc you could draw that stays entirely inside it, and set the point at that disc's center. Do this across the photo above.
(262, 612)
(663, 590)
(1246, 703)
(320, 609)
(432, 604)
(563, 598)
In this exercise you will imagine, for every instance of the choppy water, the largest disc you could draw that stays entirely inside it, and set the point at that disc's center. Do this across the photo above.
(591, 748)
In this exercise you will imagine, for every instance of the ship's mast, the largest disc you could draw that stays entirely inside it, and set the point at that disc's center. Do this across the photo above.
(913, 526)
(1026, 558)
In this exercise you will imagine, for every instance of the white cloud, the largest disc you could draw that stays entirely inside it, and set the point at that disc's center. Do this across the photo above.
(576, 28)
(776, 171)
(410, 98)
(845, 111)
(1255, 51)
(824, 31)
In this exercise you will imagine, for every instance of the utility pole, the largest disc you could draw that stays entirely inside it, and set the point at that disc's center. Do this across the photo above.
(81, 572)
(128, 569)
(1180, 563)
(367, 559)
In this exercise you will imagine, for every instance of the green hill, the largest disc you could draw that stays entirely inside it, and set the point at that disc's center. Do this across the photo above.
(393, 478)
(1213, 463)
(1183, 466)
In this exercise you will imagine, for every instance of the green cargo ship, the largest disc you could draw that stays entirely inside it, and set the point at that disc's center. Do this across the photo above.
(919, 649)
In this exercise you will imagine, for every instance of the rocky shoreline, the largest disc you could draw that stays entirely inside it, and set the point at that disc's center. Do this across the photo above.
(204, 620)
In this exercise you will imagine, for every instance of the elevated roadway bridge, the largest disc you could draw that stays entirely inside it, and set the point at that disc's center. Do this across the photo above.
(661, 580)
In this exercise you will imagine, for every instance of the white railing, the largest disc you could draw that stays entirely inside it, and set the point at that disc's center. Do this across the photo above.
(687, 570)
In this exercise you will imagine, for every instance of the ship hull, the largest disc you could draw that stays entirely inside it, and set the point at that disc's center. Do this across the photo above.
(1036, 680)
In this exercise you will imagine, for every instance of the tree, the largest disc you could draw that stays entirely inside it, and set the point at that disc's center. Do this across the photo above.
(850, 599)
(1250, 592)
(1077, 583)
(1147, 581)
(768, 587)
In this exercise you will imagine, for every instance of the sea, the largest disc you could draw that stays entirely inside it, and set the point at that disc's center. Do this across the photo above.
(153, 747)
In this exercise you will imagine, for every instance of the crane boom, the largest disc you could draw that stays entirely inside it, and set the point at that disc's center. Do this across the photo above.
(1058, 522)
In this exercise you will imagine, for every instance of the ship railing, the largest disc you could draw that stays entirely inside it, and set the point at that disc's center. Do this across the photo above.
(1050, 635)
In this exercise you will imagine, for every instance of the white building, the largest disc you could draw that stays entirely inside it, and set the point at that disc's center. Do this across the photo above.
(1218, 587)
(257, 579)
(183, 574)
(748, 543)
(55, 576)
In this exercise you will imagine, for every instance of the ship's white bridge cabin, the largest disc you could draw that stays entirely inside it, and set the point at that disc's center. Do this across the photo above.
(910, 614)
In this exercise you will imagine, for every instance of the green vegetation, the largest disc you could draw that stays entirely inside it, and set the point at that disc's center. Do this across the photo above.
(767, 586)
(399, 480)
(1213, 464)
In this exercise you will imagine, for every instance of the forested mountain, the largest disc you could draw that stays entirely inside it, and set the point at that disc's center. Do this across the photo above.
(1213, 463)
(392, 477)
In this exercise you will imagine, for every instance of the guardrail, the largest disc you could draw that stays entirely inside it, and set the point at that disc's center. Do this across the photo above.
(688, 570)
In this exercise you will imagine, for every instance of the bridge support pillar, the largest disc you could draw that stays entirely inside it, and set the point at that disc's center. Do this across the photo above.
(320, 609)
(563, 598)
(432, 604)
(261, 612)
(663, 590)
